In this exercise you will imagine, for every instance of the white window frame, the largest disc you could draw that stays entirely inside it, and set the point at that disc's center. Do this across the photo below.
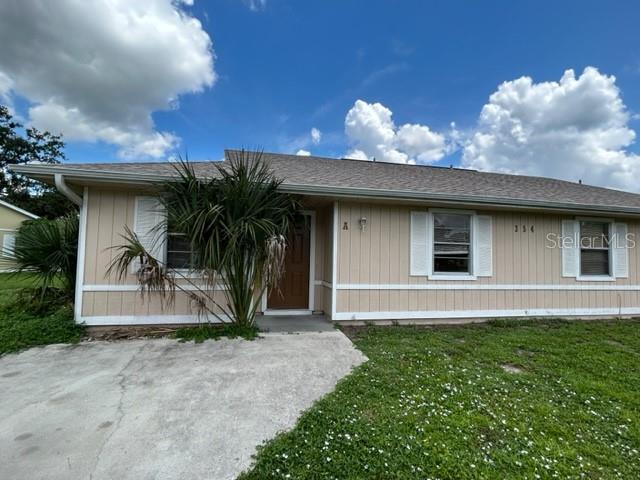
(595, 278)
(452, 275)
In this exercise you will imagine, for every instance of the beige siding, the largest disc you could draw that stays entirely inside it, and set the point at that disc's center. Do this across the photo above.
(131, 303)
(10, 221)
(324, 263)
(109, 211)
(379, 255)
(6, 262)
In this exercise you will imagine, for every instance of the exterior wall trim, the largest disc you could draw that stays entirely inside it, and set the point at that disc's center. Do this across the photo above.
(451, 276)
(135, 288)
(459, 286)
(82, 247)
(334, 260)
(457, 314)
(287, 312)
(106, 320)
(312, 259)
(19, 210)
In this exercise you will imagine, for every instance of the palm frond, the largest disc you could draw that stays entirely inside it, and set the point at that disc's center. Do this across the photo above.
(236, 220)
(48, 248)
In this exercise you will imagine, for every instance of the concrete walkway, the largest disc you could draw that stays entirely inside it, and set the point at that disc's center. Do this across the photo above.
(294, 323)
(159, 409)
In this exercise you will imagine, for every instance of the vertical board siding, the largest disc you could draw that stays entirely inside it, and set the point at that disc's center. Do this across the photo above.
(132, 303)
(109, 211)
(380, 255)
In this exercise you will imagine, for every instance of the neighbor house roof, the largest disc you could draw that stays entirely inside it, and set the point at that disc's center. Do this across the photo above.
(18, 209)
(365, 179)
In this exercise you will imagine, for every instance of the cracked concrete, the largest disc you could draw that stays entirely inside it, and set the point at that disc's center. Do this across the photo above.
(159, 409)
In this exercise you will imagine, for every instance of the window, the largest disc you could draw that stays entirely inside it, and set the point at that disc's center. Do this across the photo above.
(594, 249)
(451, 243)
(179, 254)
(8, 244)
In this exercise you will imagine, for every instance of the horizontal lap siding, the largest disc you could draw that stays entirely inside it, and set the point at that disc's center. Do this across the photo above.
(379, 254)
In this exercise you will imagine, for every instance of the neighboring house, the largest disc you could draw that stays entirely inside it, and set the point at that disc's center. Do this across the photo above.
(385, 242)
(10, 219)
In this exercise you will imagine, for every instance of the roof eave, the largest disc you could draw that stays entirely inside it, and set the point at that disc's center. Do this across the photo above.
(80, 176)
(19, 210)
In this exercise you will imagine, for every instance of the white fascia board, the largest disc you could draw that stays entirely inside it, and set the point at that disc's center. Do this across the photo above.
(19, 210)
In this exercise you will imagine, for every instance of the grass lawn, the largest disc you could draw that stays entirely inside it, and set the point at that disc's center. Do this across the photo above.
(438, 403)
(21, 327)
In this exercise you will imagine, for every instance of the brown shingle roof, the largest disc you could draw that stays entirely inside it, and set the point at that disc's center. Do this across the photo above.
(327, 174)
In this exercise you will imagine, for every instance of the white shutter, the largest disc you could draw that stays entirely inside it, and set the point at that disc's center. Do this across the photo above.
(420, 249)
(483, 246)
(620, 251)
(8, 244)
(149, 213)
(569, 246)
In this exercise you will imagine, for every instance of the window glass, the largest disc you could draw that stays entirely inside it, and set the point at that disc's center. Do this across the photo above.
(452, 243)
(178, 252)
(8, 244)
(594, 248)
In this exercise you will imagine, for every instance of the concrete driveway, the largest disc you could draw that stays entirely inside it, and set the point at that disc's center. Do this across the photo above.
(159, 409)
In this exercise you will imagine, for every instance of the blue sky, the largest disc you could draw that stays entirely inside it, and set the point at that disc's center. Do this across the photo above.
(298, 65)
(280, 68)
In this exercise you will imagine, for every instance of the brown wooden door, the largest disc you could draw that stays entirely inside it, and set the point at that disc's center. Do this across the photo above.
(294, 285)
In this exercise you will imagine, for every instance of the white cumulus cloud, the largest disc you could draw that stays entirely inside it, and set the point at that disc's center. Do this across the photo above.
(316, 135)
(576, 128)
(373, 135)
(96, 71)
(303, 153)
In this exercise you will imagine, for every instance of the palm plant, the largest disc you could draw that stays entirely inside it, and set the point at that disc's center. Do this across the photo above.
(236, 222)
(48, 249)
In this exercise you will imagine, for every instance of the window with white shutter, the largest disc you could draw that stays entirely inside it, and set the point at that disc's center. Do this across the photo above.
(569, 246)
(483, 246)
(620, 250)
(451, 243)
(149, 225)
(420, 239)
(595, 254)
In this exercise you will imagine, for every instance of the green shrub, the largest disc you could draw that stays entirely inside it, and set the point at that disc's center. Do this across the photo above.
(48, 250)
(25, 322)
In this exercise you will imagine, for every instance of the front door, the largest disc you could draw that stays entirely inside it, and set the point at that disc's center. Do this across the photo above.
(294, 286)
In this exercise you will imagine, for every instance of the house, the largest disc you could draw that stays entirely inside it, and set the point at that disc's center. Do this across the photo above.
(10, 219)
(386, 242)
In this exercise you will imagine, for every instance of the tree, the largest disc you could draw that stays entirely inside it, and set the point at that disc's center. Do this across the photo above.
(236, 223)
(49, 249)
(20, 145)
